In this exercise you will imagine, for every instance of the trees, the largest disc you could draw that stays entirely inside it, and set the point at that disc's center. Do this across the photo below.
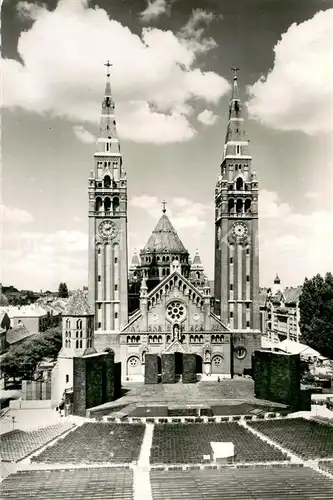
(63, 291)
(21, 361)
(316, 314)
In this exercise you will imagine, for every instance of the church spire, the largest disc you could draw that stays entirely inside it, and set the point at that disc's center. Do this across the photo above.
(108, 138)
(236, 143)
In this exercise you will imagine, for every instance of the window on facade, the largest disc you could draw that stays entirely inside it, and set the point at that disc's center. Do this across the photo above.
(231, 286)
(115, 260)
(231, 260)
(116, 287)
(99, 306)
(238, 150)
(99, 251)
(247, 323)
(67, 379)
(247, 278)
(99, 277)
(247, 305)
(240, 352)
(99, 324)
(247, 251)
(231, 314)
(115, 315)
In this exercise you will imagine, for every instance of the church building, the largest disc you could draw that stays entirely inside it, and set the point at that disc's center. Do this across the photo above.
(162, 303)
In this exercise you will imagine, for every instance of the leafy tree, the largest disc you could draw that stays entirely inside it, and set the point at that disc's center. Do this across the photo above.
(316, 314)
(63, 291)
(21, 361)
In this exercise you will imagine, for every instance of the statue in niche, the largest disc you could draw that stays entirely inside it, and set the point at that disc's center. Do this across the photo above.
(207, 357)
(201, 328)
(159, 328)
(191, 328)
(150, 329)
(176, 332)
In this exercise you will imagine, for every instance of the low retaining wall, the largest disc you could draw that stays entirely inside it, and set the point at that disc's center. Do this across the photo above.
(187, 420)
(40, 404)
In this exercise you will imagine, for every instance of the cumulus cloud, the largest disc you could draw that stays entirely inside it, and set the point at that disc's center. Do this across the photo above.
(299, 245)
(14, 215)
(155, 9)
(296, 94)
(207, 117)
(185, 213)
(154, 89)
(83, 134)
(193, 31)
(42, 260)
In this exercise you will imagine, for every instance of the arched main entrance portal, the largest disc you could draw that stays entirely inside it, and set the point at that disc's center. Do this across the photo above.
(178, 363)
(217, 364)
(198, 364)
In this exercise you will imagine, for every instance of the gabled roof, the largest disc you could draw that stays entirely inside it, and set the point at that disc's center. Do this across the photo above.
(164, 238)
(168, 278)
(78, 305)
(17, 334)
(292, 294)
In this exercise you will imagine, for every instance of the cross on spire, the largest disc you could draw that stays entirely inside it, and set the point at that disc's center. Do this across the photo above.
(234, 69)
(163, 205)
(108, 66)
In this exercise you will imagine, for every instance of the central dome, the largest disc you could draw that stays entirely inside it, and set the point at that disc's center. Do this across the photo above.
(164, 238)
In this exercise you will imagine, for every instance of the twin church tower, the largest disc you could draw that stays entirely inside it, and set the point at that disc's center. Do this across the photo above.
(163, 278)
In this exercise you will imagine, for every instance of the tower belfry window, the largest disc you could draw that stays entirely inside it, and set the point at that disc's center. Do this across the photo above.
(238, 149)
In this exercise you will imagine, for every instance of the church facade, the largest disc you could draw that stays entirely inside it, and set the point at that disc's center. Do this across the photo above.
(162, 303)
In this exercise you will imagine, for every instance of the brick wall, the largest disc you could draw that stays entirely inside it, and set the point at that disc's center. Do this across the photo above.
(96, 380)
(151, 369)
(168, 368)
(189, 369)
(277, 377)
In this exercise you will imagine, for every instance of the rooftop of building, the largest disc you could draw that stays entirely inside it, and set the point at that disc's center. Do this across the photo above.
(164, 238)
(78, 305)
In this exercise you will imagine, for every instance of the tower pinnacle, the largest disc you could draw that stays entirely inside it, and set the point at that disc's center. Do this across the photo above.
(235, 85)
(163, 206)
(108, 138)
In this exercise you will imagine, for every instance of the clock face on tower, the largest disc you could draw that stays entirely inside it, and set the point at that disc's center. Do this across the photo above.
(240, 230)
(107, 229)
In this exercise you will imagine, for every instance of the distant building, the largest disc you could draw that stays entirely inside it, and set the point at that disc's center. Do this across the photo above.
(280, 312)
(3, 299)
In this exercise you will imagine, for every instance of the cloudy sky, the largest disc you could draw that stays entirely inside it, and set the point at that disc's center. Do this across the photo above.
(171, 82)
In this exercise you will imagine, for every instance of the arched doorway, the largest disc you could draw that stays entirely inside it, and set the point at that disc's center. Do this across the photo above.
(198, 364)
(217, 364)
(178, 363)
(133, 366)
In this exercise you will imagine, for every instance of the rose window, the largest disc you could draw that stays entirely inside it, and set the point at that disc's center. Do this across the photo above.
(176, 311)
(133, 361)
(217, 360)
